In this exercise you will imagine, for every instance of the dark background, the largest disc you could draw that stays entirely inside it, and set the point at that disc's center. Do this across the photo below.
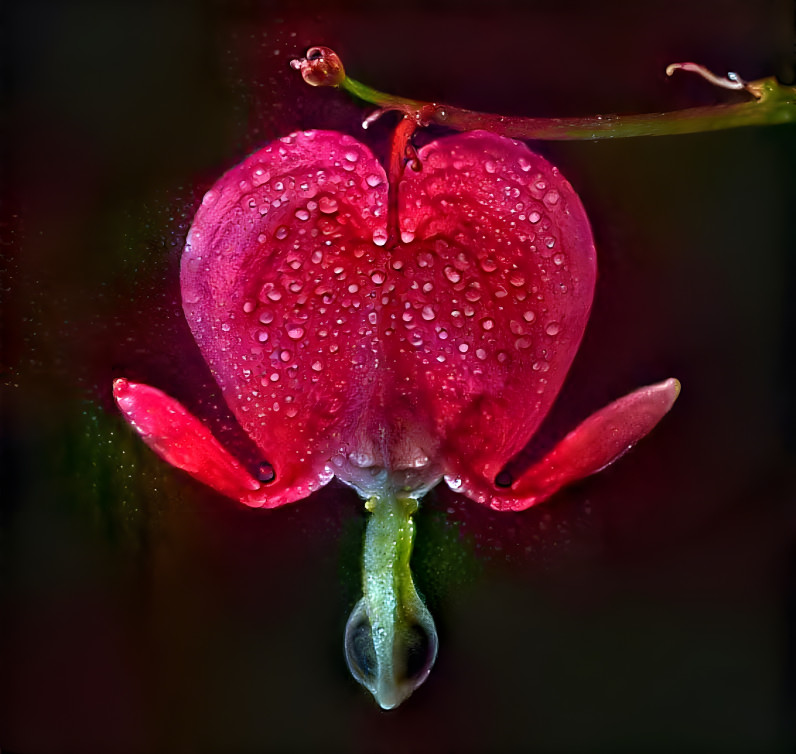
(649, 608)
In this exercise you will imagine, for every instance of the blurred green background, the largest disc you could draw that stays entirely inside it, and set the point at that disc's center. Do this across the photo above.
(650, 608)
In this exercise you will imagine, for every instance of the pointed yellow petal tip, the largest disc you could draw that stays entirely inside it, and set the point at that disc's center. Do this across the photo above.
(677, 387)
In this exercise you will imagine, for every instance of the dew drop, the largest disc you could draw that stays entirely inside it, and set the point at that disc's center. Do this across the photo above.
(534, 217)
(295, 332)
(480, 353)
(488, 264)
(302, 214)
(380, 237)
(463, 347)
(529, 316)
(265, 473)
(428, 313)
(327, 205)
(378, 277)
(442, 334)
(260, 176)
(352, 156)
(407, 236)
(210, 198)
(281, 232)
(551, 198)
(453, 274)
(553, 328)
(316, 366)
(490, 166)
(373, 180)
(225, 327)
(558, 259)
(274, 377)
(488, 323)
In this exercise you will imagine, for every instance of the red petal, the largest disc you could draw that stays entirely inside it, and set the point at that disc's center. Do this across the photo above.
(442, 353)
(277, 288)
(498, 284)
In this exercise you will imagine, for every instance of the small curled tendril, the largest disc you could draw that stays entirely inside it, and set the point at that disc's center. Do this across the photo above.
(731, 81)
(321, 66)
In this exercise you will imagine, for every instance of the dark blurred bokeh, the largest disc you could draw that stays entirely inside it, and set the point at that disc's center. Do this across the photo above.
(650, 608)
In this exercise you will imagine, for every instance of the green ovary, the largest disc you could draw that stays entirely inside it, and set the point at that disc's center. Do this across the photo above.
(390, 641)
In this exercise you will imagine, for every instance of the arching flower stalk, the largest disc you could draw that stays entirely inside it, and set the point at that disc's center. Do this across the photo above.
(393, 329)
(770, 103)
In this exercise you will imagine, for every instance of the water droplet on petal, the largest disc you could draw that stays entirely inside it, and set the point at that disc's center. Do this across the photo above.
(529, 316)
(427, 313)
(295, 332)
(551, 198)
(302, 214)
(327, 205)
(378, 277)
(373, 180)
(534, 217)
(407, 236)
(265, 473)
(317, 366)
(553, 328)
(210, 198)
(453, 274)
(487, 323)
(281, 232)
(380, 237)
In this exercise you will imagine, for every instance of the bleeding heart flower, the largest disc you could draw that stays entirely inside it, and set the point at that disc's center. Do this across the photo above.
(391, 336)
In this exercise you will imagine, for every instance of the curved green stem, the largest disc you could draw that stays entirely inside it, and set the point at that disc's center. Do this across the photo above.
(391, 641)
(771, 103)
(775, 104)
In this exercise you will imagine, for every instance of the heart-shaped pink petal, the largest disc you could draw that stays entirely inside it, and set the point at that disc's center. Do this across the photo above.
(338, 351)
